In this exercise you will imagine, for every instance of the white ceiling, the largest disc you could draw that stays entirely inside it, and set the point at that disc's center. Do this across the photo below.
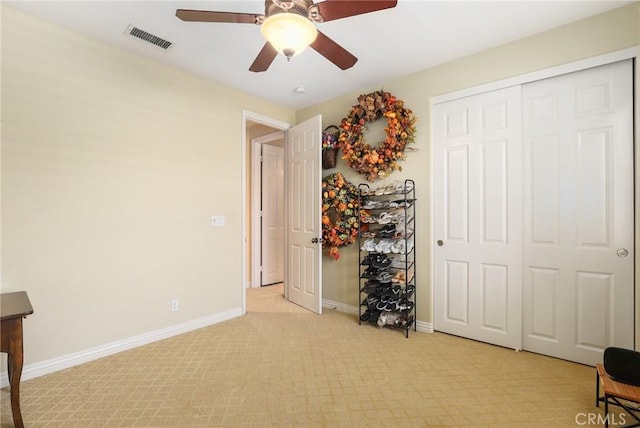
(415, 35)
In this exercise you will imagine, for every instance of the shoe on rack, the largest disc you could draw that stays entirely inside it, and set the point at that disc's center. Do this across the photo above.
(365, 217)
(408, 291)
(384, 276)
(402, 278)
(387, 231)
(385, 218)
(399, 277)
(381, 246)
(385, 290)
(369, 245)
(399, 247)
(372, 205)
(381, 305)
(381, 262)
(396, 276)
(402, 320)
(405, 305)
(371, 286)
(376, 259)
(370, 270)
(390, 243)
(410, 276)
(372, 301)
(392, 305)
(370, 273)
(398, 218)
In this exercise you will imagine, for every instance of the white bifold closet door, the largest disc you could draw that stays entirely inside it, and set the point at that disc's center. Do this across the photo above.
(533, 203)
(578, 282)
(478, 221)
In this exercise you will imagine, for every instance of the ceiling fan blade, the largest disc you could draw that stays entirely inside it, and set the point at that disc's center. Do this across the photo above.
(264, 59)
(335, 9)
(333, 52)
(209, 16)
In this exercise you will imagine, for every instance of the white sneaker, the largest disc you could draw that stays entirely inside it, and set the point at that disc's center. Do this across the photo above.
(369, 245)
(399, 247)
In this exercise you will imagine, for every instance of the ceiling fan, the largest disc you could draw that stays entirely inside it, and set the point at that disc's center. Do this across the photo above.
(288, 26)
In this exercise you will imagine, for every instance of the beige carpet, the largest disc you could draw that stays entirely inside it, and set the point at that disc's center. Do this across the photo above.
(281, 366)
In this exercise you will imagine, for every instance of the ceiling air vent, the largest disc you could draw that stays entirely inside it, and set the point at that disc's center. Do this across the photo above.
(147, 37)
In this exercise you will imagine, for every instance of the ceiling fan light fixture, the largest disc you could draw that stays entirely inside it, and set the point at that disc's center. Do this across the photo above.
(289, 33)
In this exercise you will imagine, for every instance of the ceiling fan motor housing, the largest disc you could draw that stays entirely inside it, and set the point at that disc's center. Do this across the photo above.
(304, 8)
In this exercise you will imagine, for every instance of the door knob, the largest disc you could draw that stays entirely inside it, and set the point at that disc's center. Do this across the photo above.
(440, 243)
(622, 252)
(314, 240)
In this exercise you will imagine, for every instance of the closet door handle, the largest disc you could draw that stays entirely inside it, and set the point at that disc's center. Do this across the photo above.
(622, 252)
(440, 243)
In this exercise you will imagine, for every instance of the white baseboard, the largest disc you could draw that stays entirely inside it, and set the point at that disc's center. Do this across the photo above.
(422, 326)
(340, 307)
(60, 363)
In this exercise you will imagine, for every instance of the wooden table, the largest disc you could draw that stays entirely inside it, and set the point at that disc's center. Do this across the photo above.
(14, 307)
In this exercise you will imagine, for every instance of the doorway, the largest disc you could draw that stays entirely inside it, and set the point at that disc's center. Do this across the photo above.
(253, 126)
(267, 207)
(303, 256)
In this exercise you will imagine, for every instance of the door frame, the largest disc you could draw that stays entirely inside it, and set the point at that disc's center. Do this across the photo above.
(248, 116)
(256, 197)
(608, 58)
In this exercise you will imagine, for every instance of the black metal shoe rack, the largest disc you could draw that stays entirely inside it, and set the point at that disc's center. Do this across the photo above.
(387, 255)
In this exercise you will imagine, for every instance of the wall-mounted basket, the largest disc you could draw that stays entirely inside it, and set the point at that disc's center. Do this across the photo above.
(330, 146)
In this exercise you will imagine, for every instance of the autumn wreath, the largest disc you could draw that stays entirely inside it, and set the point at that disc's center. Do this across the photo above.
(379, 161)
(339, 213)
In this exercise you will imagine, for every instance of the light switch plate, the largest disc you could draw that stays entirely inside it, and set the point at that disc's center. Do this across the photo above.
(217, 220)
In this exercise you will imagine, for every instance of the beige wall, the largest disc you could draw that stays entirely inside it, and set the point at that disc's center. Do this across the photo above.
(112, 166)
(604, 33)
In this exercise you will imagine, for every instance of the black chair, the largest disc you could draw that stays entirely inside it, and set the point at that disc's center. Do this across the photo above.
(622, 365)
(619, 376)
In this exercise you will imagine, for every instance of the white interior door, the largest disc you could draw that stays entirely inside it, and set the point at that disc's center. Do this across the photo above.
(477, 217)
(303, 255)
(272, 208)
(578, 207)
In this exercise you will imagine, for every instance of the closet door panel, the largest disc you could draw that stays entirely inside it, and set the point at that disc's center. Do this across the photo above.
(578, 207)
(477, 188)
